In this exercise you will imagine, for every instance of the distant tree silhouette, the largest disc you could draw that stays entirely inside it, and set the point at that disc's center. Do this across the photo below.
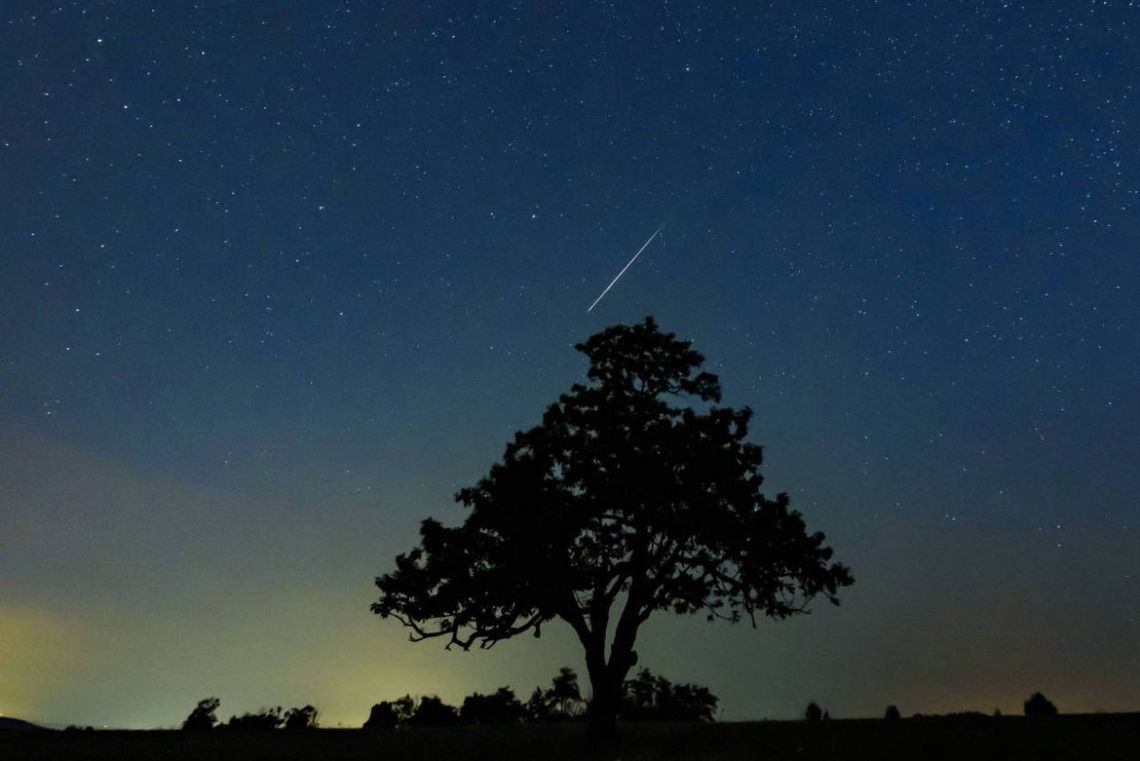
(655, 698)
(813, 712)
(385, 715)
(501, 707)
(433, 712)
(204, 716)
(1039, 705)
(301, 718)
(892, 713)
(537, 709)
(562, 702)
(266, 718)
(617, 498)
(564, 697)
(382, 716)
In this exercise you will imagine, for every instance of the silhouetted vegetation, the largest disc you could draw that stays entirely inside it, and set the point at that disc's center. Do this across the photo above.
(655, 698)
(382, 716)
(433, 712)
(646, 697)
(892, 713)
(204, 716)
(813, 712)
(1039, 705)
(301, 718)
(500, 707)
(562, 702)
(1107, 737)
(617, 497)
(386, 715)
(266, 718)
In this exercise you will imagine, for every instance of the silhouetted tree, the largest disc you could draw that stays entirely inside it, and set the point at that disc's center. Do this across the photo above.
(562, 702)
(433, 712)
(385, 715)
(1039, 705)
(301, 718)
(537, 709)
(382, 716)
(501, 707)
(813, 712)
(618, 497)
(892, 713)
(204, 716)
(266, 718)
(564, 697)
(655, 698)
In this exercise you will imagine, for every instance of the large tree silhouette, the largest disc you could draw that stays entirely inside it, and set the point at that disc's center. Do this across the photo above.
(625, 500)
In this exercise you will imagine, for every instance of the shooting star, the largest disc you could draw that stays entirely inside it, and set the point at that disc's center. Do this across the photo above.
(644, 246)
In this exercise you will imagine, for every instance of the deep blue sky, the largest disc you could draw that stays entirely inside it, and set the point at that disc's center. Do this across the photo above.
(277, 278)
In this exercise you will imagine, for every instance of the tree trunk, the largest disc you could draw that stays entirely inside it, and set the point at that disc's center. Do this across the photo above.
(607, 682)
(604, 706)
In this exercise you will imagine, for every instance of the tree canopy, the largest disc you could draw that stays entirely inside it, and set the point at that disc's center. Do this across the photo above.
(637, 491)
(204, 716)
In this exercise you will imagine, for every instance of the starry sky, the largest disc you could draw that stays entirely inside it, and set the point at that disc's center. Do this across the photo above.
(278, 278)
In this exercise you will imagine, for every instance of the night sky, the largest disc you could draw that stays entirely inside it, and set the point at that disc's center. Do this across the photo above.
(278, 278)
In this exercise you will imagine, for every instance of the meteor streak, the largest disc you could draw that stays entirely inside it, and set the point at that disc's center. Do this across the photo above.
(644, 246)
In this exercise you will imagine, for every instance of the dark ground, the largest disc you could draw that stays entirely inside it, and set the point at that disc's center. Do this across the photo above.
(1091, 737)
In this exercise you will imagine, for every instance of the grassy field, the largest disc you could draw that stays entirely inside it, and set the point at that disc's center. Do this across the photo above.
(1084, 738)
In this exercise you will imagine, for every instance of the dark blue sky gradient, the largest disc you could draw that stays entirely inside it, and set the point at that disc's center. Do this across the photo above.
(277, 278)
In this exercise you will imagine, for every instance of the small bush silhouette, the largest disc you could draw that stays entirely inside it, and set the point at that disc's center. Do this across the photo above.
(813, 712)
(266, 718)
(301, 718)
(501, 707)
(1039, 705)
(562, 702)
(382, 716)
(655, 698)
(433, 712)
(892, 713)
(385, 715)
(204, 716)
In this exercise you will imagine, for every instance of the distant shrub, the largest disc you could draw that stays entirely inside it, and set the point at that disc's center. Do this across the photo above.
(562, 702)
(813, 712)
(266, 718)
(654, 698)
(433, 712)
(204, 716)
(892, 713)
(382, 716)
(1039, 705)
(501, 707)
(301, 718)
